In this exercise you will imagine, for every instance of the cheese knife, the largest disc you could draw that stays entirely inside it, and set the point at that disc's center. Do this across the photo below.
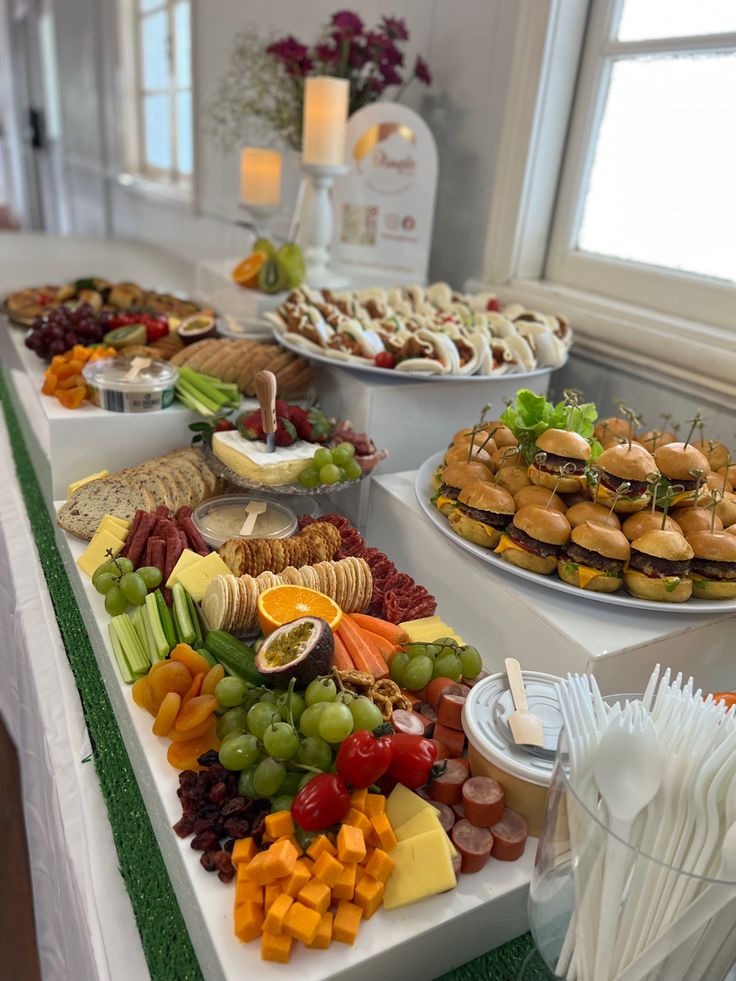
(266, 395)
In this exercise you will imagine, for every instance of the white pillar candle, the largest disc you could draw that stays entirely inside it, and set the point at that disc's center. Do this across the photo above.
(260, 176)
(325, 120)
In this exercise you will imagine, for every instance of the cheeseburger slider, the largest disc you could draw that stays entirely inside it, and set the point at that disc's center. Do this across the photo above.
(512, 479)
(621, 464)
(533, 539)
(454, 477)
(611, 431)
(459, 452)
(678, 464)
(719, 482)
(501, 433)
(715, 453)
(481, 513)
(658, 567)
(562, 449)
(538, 495)
(655, 438)
(594, 558)
(713, 568)
(694, 519)
(506, 456)
(588, 511)
(731, 530)
(726, 510)
(640, 523)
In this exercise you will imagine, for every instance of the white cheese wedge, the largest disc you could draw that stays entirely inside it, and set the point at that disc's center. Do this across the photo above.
(251, 459)
(423, 867)
(419, 824)
(96, 552)
(186, 559)
(402, 805)
(76, 484)
(197, 577)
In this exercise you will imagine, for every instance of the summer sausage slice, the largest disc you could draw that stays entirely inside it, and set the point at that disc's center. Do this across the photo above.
(474, 845)
(448, 788)
(450, 712)
(509, 837)
(409, 722)
(483, 800)
(446, 816)
(454, 739)
(457, 864)
(459, 811)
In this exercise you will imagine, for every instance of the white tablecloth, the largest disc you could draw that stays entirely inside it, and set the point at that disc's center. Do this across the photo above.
(84, 920)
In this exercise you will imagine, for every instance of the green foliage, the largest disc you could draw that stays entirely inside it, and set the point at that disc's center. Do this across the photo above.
(531, 415)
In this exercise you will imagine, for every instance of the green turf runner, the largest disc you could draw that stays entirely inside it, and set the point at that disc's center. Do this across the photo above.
(164, 936)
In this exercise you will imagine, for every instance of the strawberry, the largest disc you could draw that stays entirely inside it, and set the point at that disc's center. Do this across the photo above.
(250, 425)
(493, 305)
(285, 432)
(300, 420)
(223, 426)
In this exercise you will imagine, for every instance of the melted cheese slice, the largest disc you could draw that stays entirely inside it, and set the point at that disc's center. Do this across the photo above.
(442, 501)
(585, 574)
(505, 543)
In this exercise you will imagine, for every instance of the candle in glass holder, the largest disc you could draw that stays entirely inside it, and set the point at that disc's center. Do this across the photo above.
(325, 120)
(260, 177)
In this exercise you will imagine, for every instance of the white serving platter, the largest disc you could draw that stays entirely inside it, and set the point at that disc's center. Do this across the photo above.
(484, 911)
(424, 492)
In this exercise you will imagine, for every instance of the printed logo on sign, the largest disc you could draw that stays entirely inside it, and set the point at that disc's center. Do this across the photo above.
(386, 156)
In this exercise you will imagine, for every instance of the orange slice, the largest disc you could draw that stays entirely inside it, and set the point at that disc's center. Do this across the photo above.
(246, 272)
(282, 604)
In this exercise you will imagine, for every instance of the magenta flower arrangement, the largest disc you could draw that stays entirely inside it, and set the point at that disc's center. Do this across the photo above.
(263, 88)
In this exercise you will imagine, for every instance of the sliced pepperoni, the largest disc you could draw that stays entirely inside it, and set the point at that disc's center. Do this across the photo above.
(448, 788)
(483, 799)
(450, 712)
(509, 837)
(473, 844)
(446, 816)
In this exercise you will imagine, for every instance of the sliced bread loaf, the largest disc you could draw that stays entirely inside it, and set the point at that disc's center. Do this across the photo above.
(81, 514)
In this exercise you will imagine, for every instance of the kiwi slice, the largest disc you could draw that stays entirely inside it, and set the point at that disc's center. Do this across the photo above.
(273, 277)
(126, 336)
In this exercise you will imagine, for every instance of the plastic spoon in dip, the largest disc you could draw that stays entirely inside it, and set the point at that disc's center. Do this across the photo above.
(526, 727)
(252, 511)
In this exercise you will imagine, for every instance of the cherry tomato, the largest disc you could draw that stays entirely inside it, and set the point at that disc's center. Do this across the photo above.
(322, 802)
(384, 359)
(493, 304)
(362, 758)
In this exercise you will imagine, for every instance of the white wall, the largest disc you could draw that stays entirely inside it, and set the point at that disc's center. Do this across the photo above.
(467, 44)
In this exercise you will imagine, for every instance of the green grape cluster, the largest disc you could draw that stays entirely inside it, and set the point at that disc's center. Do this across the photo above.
(417, 664)
(276, 741)
(331, 466)
(120, 585)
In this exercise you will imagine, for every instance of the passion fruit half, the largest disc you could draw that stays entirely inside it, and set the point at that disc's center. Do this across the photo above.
(302, 649)
(198, 327)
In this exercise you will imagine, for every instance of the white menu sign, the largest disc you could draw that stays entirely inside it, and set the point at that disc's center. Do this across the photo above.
(384, 208)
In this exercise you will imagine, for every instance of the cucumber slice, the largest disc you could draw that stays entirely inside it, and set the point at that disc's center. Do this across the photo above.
(194, 617)
(184, 625)
(161, 644)
(166, 619)
(203, 652)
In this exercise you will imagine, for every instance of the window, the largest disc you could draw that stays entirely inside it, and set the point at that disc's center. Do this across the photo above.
(157, 116)
(646, 208)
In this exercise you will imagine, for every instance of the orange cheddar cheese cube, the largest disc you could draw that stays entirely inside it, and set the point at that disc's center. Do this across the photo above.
(248, 892)
(256, 870)
(346, 923)
(279, 824)
(242, 872)
(358, 799)
(374, 804)
(302, 923)
(323, 936)
(281, 859)
(327, 869)
(276, 914)
(298, 878)
(315, 895)
(275, 947)
(380, 865)
(350, 844)
(345, 885)
(244, 850)
(271, 893)
(384, 832)
(368, 895)
(248, 921)
(358, 820)
(319, 845)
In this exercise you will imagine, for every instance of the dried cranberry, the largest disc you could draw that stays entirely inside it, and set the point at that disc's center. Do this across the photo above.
(229, 845)
(207, 861)
(184, 827)
(236, 805)
(237, 827)
(205, 842)
(203, 824)
(218, 792)
(208, 758)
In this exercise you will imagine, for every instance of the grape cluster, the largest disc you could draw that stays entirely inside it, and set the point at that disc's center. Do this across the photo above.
(417, 664)
(120, 585)
(277, 740)
(64, 327)
(331, 466)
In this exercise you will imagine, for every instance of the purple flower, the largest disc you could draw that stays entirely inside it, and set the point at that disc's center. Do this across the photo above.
(328, 53)
(294, 55)
(347, 23)
(357, 55)
(391, 55)
(395, 27)
(390, 75)
(421, 71)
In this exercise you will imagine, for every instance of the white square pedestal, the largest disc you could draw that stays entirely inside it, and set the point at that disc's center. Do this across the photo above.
(546, 630)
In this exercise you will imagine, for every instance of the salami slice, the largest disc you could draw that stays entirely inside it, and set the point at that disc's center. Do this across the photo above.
(483, 799)
(131, 533)
(448, 788)
(138, 544)
(473, 844)
(509, 837)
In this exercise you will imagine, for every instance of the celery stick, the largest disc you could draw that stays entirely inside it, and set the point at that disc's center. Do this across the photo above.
(159, 638)
(203, 386)
(194, 617)
(195, 393)
(123, 667)
(184, 625)
(190, 403)
(140, 627)
(151, 648)
(167, 623)
(135, 653)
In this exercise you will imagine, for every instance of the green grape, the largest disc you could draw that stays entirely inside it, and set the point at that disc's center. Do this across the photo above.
(115, 601)
(291, 783)
(107, 567)
(260, 717)
(365, 714)
(239, 752)
(432, 650)
(353, 470)
(268, 777)
(245, 784)
(282, 803)
(280, 741)
(397, 667)
(314, 751)
(340, 456)
(418, 672)
(305, 838)
(470, 662)
(309, 722)
(336, 723)
(329, 474)
(447, 650)
(322, 458)
(446, 642)
(309, 478)
(305, 779)
(150, 575)
(347, 448)
(293, 700)
(105, 581)
(320, 690)
(447, 667)
(269, 697)
(230, 691)
(416, 650)
(234, 720)
(133, 588)
(123, 565)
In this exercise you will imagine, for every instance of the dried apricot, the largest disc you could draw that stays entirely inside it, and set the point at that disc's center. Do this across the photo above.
(143, 695)
(205, 728)
(213, 678)
(167, 714)
(194, 689)
(170, 676)
(184, 755)
(72, 398)
(196, 711)
(188, 656)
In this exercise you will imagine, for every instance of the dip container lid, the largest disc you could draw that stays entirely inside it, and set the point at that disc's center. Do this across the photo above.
(485, 716)
(111, 373)
(202, 517)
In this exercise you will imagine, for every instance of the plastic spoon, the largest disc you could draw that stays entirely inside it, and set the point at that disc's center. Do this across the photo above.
(526, 727)
(252, 511)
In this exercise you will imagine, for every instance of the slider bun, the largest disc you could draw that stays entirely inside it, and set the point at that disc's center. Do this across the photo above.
(717, 546)
(638, 524)
(502, 435)
(538, 495)
(564, 485)
(715, 452)
(611, 543)
(458, 453)
(599, 584)
(664, 545)
(655, 438)
(459, 474)
(485, 496)
(562, 442)
(472, 530)
(695, 519)
(542, 565)
(675, 461)
(726, 510)
(628, 463)
(544, 524)
(588, 511)
(506, 456)
(654, 589)
(512, 479)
